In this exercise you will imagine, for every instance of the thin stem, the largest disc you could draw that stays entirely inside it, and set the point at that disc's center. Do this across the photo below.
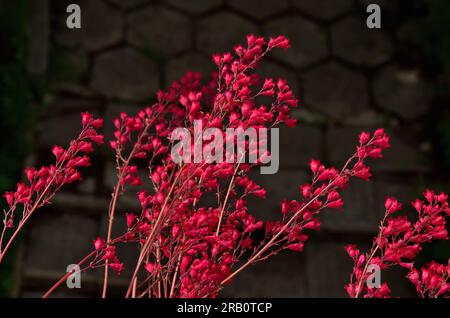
(114, 200)
(59, 282)
(364, 271)
(27, 214)
(150, 238)
(269, 244)
(108, 239)
(25, 219)
(226, 197)
(174, 279)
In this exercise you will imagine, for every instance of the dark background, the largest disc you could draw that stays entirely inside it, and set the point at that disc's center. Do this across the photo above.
(348, 78)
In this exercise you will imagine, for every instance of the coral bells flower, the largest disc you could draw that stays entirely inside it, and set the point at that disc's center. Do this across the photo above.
(189, 248)
(98, 243)
(130, 219)
(151, 267)
(392, 205)
(116, 267)
(398, 243)
(432, 280)
(43, 183)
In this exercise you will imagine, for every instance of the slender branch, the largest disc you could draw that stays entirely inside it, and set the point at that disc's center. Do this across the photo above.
(115, 196)
(150, 238)
(268, 244)
(226, 197)
(59, 282)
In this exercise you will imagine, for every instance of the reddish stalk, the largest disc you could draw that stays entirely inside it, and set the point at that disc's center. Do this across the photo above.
(283, 229)
(152, 235)
(59, 282)
(114, 198)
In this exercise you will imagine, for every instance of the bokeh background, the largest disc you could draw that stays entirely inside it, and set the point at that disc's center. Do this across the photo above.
(348, 78)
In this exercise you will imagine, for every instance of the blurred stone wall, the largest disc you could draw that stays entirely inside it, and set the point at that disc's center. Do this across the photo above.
(348, 78)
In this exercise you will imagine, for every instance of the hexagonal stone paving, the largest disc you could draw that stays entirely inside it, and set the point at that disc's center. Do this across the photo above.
(196, 62)
(221, 32)
(298, 145)
(67, 125)
(259, 9)
(62, 236)
(402, 91)
(355, 43)
(274, 277)
(195, 6)
(269, 69)
(323, 9)
(308, 40)
(125, 74)
(335, 90)
(126, 4)
(101, 26)
(160, 30)
(389, 5)
(403, 155)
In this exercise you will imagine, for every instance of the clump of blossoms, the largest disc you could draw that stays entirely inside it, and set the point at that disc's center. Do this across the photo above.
(432, 280)
(189, 246)
(43, 183)
(398, 243)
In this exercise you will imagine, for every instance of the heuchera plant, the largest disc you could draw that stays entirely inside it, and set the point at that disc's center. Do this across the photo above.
(189, 247)
(398, 243)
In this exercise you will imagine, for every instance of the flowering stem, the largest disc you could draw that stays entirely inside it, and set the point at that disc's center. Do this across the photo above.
(226, 197)
(13, 236)
(59, 282)
(150, 238)
(269, 244)
(110, 224)
(25, 219)
(374, 250)
(115, 197)
(174, 279)
(365, 270)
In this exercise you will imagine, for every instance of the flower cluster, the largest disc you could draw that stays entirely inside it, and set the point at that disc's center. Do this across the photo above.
(194, 230)
(323, 192)
(192, 246)
(431, 280)
(189, 248)
(43, 183)
(398, 243)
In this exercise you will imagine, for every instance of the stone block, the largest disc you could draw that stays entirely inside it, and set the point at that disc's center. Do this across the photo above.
(57, 240)
(401, 156)
(125, 74)
(260, 9)
(178, 67)
(195, 6)
(159, 30)
(128, 4)
(355, 43)
(308, 40)
(222, 31)
(280, 276)
(101, 27)
(298, 145)
(335, 90)
(403, 92)
(323, 9)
